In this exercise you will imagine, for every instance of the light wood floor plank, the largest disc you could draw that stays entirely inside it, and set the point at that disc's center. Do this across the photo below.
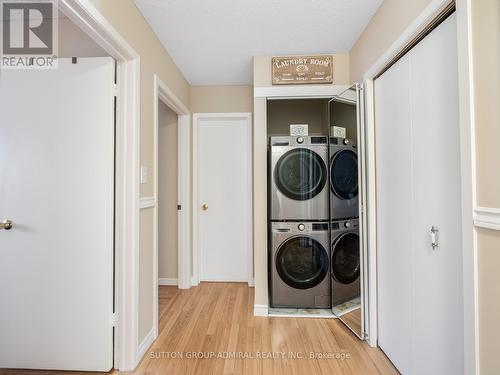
(218, 318)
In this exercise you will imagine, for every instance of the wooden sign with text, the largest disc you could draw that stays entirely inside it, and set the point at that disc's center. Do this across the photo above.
(297, 70)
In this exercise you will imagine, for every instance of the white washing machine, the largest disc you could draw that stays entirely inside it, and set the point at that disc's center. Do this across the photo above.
(343, 178)
(298, 178)
(299, 264)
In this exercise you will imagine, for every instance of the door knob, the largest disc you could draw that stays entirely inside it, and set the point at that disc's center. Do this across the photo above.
(6, 224)
(204, 207)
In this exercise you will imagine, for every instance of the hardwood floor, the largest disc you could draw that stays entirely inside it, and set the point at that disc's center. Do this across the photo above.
(216, 319)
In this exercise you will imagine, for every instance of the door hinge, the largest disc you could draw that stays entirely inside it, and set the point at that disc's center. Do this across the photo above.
(115, 89)
(113, 320)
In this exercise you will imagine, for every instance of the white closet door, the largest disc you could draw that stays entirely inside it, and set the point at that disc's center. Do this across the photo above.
(394, 214)
(436, 169)
(418, 186)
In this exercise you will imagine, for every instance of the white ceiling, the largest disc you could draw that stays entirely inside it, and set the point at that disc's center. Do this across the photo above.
(213, 41)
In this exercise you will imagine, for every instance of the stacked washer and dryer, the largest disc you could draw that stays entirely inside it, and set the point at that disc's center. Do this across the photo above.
(313, 225)
(299, 255)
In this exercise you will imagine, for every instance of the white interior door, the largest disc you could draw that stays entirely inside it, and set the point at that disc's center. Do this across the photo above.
(418, 187)
(223, 196)
(57, 186)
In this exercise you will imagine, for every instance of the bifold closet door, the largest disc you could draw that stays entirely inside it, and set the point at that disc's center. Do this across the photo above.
(437, 197)
(394, 214)
(418, 188)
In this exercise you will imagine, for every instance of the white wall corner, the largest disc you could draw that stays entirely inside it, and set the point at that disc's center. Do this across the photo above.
(260, 310)
(167, 281)
(145, 345)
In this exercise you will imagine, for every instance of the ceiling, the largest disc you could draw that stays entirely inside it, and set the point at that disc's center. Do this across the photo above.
(213, 41)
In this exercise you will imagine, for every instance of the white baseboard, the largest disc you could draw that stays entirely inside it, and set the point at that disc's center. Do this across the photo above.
(167, 281)
(145, 345)
(251, 282)
(260, 310)
(194, 281)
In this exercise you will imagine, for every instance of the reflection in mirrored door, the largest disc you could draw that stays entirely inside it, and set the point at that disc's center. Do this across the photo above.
(347, 255)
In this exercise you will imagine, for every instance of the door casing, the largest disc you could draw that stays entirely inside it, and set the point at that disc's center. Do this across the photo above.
(163, 93)
(86, 16)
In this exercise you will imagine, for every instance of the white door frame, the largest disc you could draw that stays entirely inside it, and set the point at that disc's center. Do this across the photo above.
(166, 95)
(467, 170)
(247, 116)
(85, 15)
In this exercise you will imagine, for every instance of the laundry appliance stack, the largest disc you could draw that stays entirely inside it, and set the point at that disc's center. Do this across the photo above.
(299, 255)
(313, 221)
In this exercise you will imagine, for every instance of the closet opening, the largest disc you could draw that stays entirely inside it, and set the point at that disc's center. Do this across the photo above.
(316, 260)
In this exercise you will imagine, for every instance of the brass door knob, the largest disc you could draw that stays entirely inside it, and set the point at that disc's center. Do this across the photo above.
(204, 207)
(6, 224)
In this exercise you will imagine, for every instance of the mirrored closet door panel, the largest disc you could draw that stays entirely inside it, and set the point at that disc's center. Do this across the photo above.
(347, 258)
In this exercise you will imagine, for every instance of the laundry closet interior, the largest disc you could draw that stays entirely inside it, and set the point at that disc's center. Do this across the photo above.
(314, 252)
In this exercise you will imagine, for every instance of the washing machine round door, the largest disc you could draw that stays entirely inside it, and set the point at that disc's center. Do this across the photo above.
(345, 258)
(344, 174)
(302, 262)
(300, 174)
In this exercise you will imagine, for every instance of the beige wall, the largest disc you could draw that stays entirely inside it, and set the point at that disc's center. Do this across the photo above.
(388, 23)
(129, 22)
(485, 16)
(167, 192)
(486, 71)
(345, 116)
(262, 77)
(219, 99)
(488, 257)
(282, 113)
(146, 220)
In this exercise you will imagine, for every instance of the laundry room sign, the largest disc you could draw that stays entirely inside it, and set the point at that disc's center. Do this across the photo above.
(290, 70)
